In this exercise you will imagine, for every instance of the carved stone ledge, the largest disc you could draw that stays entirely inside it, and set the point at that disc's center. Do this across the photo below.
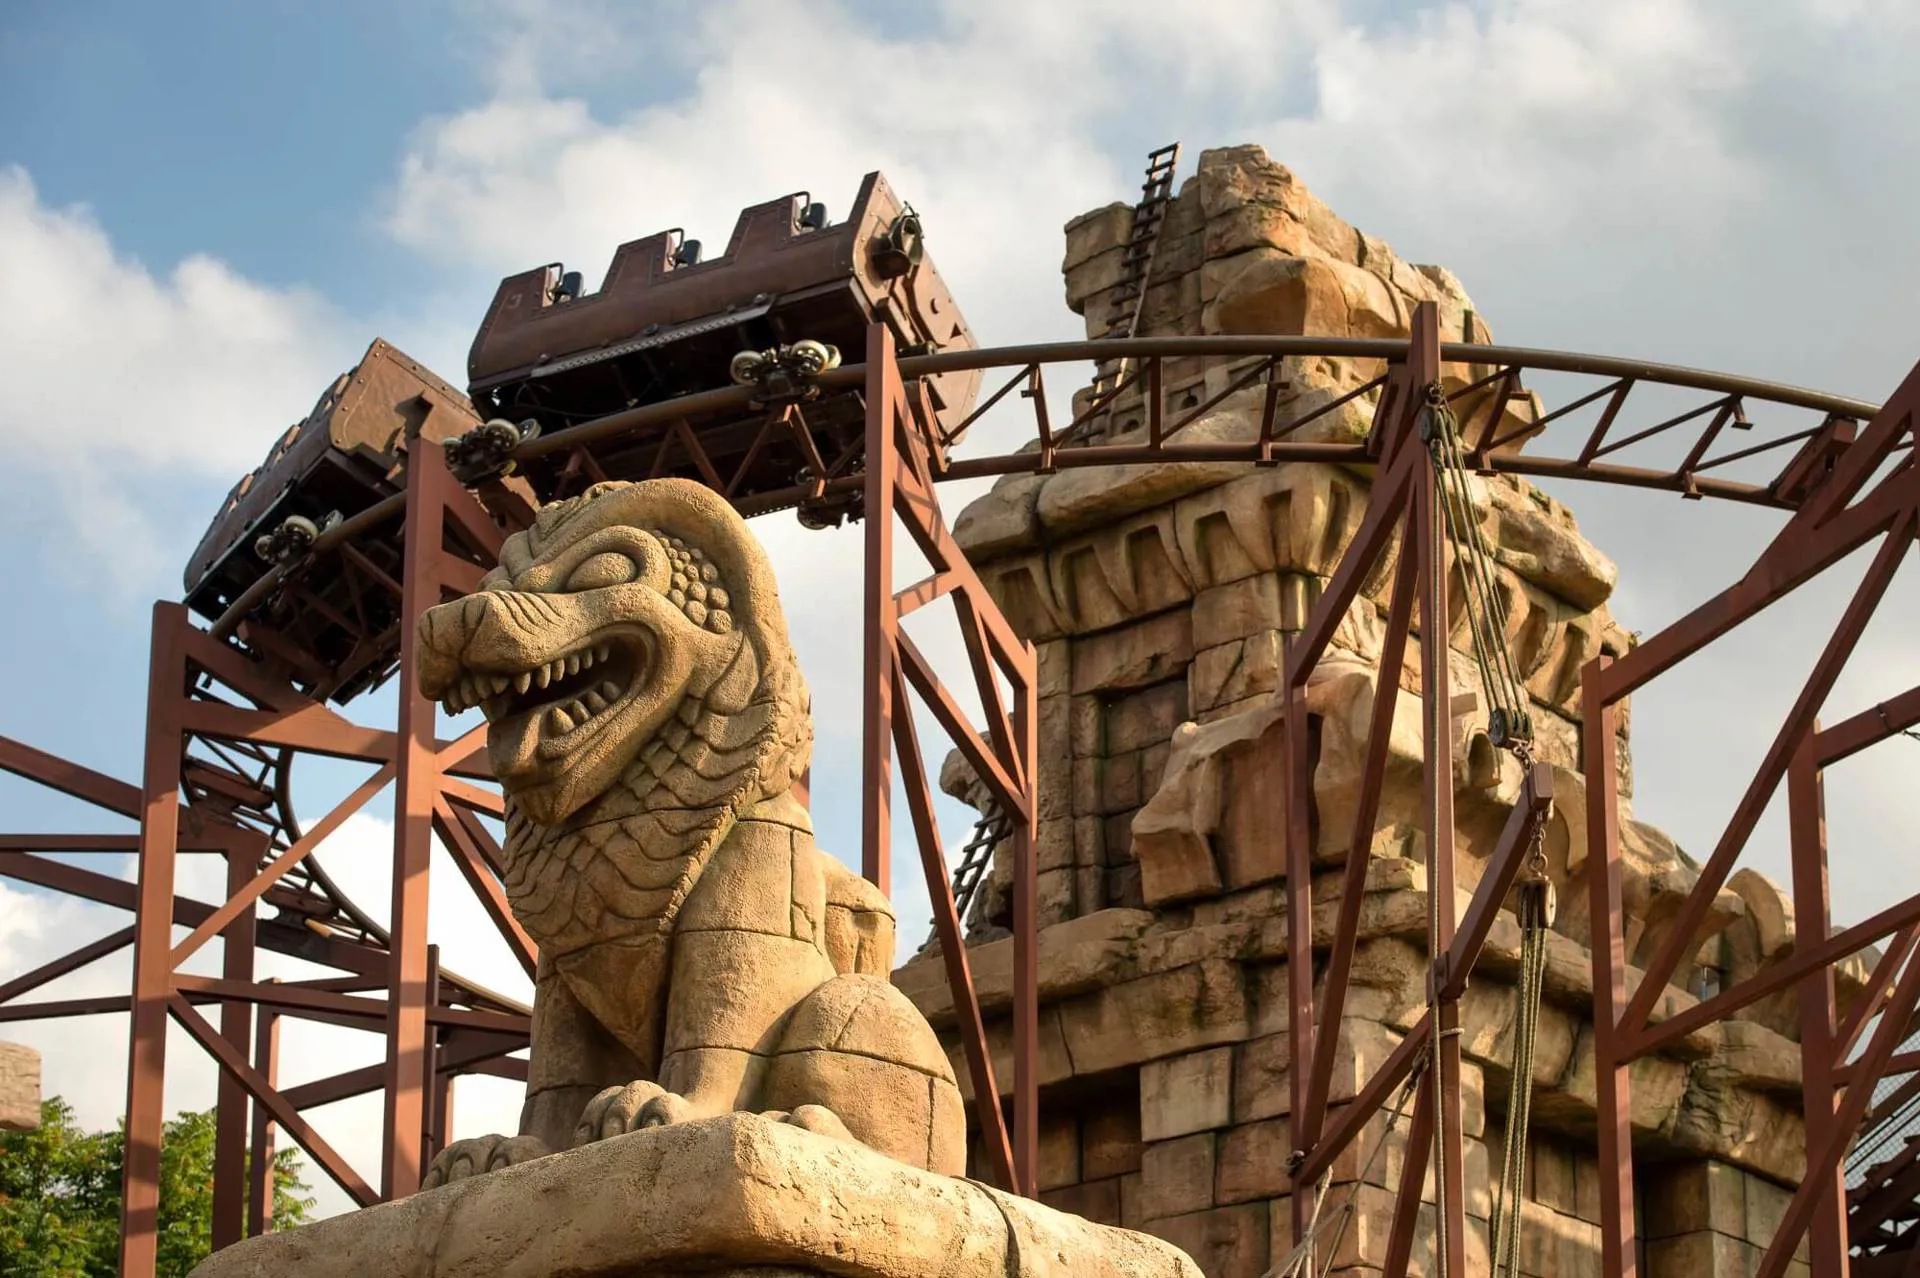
(734, 1195)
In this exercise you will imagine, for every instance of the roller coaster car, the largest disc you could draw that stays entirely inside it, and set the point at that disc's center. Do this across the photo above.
(665, 324)
(347, 454)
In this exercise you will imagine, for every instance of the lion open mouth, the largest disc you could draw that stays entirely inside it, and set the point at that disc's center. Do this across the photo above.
(564, 695)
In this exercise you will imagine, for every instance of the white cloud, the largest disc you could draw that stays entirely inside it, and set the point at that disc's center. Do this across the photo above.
(118, 377)
(109, 364)
(989, 121)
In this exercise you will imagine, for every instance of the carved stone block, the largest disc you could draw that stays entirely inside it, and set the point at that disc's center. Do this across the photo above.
(734, 1194)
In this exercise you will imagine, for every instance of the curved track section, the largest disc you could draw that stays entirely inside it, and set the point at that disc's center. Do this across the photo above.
(1638, 424)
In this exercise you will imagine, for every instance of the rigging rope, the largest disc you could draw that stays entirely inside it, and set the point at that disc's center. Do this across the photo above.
(1434, 425)
(1508, 727)
(1487, 618)
(1535, 908)
(1300, 1258)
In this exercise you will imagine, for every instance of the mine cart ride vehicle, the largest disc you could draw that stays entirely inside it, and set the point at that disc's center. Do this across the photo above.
(792, 295)
(338, 624)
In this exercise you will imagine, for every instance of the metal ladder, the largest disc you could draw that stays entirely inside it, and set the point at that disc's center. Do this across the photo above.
(1130, 294)
(1129, 299)
(977, 856)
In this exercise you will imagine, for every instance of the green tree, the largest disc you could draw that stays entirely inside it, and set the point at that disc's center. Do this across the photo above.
(60, 1196)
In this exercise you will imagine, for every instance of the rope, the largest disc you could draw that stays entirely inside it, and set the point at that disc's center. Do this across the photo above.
(1509, 727)
(1431, 616)
(1535, 910)
(1487, 617)
(1301, 1256)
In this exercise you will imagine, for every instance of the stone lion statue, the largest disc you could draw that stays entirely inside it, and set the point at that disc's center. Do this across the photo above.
(698, 954)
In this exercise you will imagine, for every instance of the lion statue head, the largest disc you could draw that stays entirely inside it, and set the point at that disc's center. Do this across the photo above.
(632, 661)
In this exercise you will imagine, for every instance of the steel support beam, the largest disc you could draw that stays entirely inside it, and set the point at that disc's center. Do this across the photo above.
(231, 1103)
(902, 455)
(1807, 836)
(1619, 1257)
(153, 945)
(260, 1161)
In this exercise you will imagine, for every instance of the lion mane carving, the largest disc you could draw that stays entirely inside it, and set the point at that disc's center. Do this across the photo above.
(698, 954)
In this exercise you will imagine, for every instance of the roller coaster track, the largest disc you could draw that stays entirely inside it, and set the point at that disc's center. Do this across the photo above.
(1710, 405)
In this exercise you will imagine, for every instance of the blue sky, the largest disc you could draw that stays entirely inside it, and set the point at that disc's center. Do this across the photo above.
(207, 210)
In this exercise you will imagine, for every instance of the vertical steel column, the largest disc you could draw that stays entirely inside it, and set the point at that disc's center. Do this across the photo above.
(1436, 708)
(1026, 944)
(1413, 1172)
(1619, 1256)
(882, 615)
(1297, 778)
(430, 1125)
(266, 1061)
(153, 945)
(1807, 832)
(416, 783)
(442, 1112)
(236, 1026)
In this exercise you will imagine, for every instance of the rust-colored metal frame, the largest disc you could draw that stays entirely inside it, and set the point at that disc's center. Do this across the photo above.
(1869, 491)
(201, 691)
(904, 449)
(436, 1025)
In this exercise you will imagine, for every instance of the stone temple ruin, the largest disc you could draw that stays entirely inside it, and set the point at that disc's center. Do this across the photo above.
(1238, 1038)
(1161, 598)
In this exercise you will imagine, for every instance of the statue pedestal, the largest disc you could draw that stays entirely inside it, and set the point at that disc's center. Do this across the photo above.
(735, 1195)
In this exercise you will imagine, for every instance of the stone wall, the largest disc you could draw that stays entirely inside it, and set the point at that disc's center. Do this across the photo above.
(1160, 598)
(19, 1088)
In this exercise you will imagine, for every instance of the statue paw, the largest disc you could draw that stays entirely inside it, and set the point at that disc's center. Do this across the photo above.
(817, 1119)
(628, 1109)
(482, 1154)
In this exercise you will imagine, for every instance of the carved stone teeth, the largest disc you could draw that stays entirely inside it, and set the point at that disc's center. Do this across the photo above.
(573, 663)
(595, 702)
(522, 681)
(603, 652)
(578, 712)
(559, 721)
(543, 676)
(500, 683)
(610, 690)
(586, 657)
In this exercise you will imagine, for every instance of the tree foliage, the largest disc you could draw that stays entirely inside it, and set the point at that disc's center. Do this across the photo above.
(60, 1196)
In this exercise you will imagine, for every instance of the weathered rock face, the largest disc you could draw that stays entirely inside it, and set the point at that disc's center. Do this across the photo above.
(19, 1088)
(735, 1195)
(1162, 594)
(1160, 598)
